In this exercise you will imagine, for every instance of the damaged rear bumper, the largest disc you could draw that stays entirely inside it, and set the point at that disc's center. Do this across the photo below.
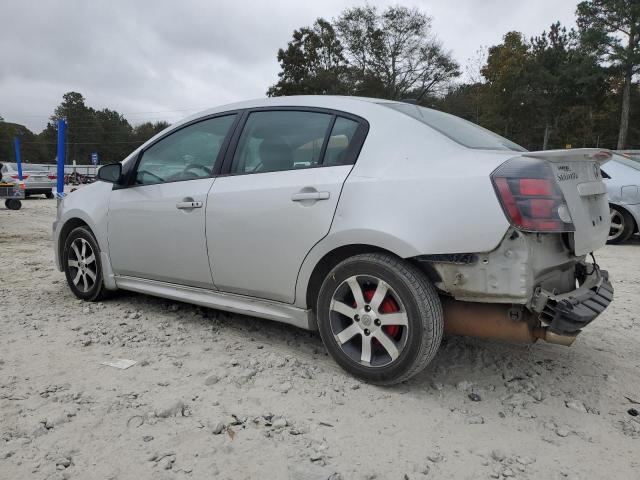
(568, 313)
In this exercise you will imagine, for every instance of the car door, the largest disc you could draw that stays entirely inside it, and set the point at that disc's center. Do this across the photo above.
(156, 223)
(278, 197)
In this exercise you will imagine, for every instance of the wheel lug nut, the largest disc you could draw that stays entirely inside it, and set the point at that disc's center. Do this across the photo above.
(367, 308)
(377, 322)
(366, 331)
(356, 317)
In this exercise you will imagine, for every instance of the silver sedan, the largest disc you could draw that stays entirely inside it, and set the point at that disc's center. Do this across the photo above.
(622, 176)
(38, 180)
(378, 223)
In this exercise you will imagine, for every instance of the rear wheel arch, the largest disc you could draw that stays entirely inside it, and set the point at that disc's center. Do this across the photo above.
(330, 260)
(337, 255)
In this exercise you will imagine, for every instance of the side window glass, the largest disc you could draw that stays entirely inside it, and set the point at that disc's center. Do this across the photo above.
(338, 148)
(188, 154)
(280, 140)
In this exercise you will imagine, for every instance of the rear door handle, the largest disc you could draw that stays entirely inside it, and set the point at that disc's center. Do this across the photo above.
(301, 196)
(188, 205)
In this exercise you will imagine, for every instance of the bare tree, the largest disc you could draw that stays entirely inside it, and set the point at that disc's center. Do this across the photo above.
(394, 53)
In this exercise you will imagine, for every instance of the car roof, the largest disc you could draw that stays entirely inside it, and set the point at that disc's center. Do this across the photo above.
(348, 104)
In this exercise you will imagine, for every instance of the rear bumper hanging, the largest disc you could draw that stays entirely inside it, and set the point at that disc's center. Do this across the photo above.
(568, 313)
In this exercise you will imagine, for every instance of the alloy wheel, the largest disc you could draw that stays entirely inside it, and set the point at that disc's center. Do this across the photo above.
(617, 225)
(82, 265)
(368, 321)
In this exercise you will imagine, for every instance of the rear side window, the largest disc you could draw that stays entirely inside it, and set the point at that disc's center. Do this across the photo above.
(457, 129)
(274, 141)
(340, 147)
(187, 154)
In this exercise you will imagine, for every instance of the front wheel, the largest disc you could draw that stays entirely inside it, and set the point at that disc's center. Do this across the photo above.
(379, 318)
(82, 267)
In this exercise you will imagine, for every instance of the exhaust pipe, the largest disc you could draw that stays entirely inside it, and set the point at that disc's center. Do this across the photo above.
(497, 321)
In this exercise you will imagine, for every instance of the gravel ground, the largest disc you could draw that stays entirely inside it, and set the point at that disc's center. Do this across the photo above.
(232, 397)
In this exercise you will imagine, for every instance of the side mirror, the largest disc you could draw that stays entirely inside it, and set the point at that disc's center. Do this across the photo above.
(110, 173)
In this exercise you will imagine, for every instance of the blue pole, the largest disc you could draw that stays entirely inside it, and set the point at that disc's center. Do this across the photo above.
(16, 144)
(62, 126)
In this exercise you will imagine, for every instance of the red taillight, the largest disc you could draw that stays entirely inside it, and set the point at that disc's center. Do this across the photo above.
(530, 196)
(16, 177)
(51, 177)
(535, 186)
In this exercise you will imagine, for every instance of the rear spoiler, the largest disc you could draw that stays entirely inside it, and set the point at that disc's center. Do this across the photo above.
(572, 155)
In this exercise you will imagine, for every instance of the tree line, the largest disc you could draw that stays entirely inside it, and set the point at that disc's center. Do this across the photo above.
(563, 88)
(104, 131)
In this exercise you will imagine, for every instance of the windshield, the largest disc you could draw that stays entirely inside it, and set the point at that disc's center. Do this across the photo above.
(457, 129)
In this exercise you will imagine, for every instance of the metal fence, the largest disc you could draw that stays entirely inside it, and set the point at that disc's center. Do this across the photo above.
(89, 170)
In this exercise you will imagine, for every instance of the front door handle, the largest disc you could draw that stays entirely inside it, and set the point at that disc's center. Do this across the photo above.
(301, 196)
(188, 205)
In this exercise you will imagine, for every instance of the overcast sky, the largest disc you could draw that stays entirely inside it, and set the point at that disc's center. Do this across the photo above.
(154, 60)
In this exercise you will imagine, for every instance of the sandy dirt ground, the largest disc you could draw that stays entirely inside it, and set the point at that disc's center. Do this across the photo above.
(215, 395)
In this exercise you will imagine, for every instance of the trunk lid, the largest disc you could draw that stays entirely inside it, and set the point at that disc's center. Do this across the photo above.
(577, 173)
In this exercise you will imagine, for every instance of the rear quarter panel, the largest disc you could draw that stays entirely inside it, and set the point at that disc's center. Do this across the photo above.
(413, 192)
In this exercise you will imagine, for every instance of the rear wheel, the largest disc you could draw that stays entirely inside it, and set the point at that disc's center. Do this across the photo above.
(622, 225)
(49, 195)
(82, 267)
(379, 318)
(13, 204)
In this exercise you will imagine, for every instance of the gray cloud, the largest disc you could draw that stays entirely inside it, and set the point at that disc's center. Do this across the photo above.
(156, 60)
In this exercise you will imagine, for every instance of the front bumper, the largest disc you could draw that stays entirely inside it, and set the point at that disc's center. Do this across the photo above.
(568, 313)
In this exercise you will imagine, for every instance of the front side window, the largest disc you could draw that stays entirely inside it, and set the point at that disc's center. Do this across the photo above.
(274, 141)
(188, 154)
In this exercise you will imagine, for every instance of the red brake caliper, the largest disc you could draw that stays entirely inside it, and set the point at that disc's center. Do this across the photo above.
(388, 305)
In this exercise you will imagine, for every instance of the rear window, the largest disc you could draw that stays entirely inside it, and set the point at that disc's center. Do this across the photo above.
(457, 129)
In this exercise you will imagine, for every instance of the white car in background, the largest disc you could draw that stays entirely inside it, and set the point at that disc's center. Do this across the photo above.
(38, 180)
(622, 176)
(377, 222)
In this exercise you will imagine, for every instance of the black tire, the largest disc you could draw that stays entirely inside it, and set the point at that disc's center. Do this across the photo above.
(49, 195)
(13, 204)
(624, 225)
(420, 304)
(94, 288)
